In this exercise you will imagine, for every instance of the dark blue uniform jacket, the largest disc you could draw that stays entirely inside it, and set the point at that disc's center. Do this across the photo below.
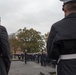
(4, 52)
(62, 37)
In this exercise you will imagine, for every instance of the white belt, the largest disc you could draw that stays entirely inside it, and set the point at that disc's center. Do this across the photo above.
(68, 56)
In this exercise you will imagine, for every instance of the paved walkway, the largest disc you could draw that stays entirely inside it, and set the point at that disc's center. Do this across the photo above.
(31, 68)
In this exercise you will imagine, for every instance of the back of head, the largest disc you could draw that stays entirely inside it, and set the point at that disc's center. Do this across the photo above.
(69, 5)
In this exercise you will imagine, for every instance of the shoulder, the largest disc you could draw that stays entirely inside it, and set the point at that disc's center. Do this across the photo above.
(2, 28)
(58, 23)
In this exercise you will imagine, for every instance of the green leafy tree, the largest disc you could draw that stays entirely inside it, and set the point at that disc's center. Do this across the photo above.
(30, 39)
(14, 44)
(45, 40)
(46, 36)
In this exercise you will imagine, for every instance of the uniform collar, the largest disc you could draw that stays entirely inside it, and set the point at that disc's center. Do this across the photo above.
(72, 15)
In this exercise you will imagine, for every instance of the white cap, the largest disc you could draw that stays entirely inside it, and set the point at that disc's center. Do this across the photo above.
(65, 1)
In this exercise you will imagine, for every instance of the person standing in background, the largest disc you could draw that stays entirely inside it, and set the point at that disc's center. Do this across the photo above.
(25, 56)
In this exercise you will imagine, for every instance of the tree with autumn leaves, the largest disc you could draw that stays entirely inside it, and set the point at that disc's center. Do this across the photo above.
(28, 39)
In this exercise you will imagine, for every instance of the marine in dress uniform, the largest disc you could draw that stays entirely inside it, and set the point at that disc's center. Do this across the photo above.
(5, 57)
(61, 44)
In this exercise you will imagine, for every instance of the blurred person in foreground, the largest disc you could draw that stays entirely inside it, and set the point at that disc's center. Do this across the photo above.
(61, 44)
(5, 57)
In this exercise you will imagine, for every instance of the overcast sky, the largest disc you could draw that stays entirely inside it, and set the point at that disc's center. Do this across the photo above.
(36, 14)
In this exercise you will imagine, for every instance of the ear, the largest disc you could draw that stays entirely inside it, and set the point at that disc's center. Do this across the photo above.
(64, 8)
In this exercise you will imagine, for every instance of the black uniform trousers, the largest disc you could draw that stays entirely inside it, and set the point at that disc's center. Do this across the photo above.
(66, 67)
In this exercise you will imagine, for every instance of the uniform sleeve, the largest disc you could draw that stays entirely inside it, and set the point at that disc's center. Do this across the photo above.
(5, 48)
(51, 50)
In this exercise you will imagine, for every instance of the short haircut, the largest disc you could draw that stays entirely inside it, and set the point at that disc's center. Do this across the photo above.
(71, 6)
